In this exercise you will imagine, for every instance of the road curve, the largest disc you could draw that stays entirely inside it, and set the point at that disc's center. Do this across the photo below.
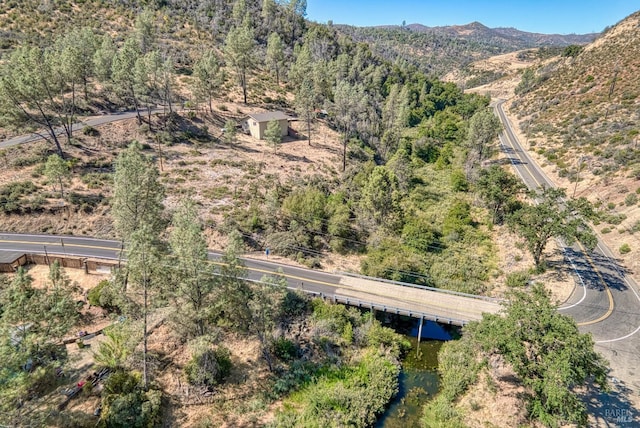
(446, 306)
(606, 301)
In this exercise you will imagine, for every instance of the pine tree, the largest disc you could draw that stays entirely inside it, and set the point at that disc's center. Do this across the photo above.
(30, 95)
(208, 77)
(305, 103)
(103, 59)
(195, 283)
(275, 55)
(239, 51)
(273, 134)
(56, 169)
(126, 72)
(137, 193)
(145, 270)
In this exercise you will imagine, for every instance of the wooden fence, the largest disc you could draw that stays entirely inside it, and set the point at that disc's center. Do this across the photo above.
(89, 265)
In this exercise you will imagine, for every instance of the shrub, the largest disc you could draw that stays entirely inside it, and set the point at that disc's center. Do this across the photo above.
(349, 396)
(631, 199)
(518, 279)
(458, 216)
(96, 180)
(295, 304)
(299, 374)
(624, 249)
(284, 349)
(94, 294)
(11, 196)
(459, 181)
(125, 403)
(90, 131)
(208, 367)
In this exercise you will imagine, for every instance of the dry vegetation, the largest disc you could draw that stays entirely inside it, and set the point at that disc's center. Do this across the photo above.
(216, 174)
(581, 125)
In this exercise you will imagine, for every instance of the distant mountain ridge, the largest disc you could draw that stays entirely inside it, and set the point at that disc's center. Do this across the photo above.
(519, 38)
(587, 106)
(440, 50)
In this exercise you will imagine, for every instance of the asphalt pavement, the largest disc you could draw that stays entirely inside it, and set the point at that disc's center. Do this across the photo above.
(433, 304)
(604, 303)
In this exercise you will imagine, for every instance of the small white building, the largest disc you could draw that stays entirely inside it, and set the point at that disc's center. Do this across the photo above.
(258, 122)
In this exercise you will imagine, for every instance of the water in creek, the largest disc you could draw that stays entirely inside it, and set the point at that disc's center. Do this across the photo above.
(418, 379)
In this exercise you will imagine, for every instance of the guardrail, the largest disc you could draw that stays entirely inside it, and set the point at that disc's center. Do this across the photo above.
(349, 301)
(421, 287)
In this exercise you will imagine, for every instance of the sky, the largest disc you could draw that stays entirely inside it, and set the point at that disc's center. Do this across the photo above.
(539, 16)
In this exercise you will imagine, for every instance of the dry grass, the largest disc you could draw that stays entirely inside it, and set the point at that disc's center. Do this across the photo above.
(497, 397)
(217, 175)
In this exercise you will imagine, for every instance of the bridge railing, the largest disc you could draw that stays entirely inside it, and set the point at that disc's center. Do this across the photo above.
(350, 301)
(421, 287)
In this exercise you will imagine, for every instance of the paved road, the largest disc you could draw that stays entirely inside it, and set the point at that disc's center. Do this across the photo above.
(605, 302)
(91, 121)
(447, 307)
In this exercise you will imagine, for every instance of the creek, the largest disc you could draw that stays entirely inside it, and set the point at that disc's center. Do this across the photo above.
(419, 380)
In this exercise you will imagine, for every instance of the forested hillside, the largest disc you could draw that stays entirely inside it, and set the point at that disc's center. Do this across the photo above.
(441, 50)
(400, 194)
(385, 167)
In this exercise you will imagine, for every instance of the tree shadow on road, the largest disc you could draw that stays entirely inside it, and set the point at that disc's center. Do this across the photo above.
(611, 408)
(606, 269)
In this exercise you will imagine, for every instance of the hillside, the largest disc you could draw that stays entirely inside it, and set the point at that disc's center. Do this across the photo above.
(378, 168)
(581, 116)
(441, 50)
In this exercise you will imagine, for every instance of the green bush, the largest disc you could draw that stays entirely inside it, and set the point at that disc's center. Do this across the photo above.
(624, 249)
(418, 234)
(208, 367)
(299, 374)
(96, 292)
(96, 180)
(126, 404)
(90, 131)
(12, 196)
(459, 181)
(631, 199)
(138, 409)
(377, 336)
(349, 396)
(295, 304)
(284, 349)
(518, 279)
(457, 218)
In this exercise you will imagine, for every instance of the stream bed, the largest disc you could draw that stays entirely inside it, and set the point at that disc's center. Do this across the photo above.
(419, 380)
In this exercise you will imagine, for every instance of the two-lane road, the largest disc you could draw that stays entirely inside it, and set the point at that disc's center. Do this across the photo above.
(446, 306)
(605, 303)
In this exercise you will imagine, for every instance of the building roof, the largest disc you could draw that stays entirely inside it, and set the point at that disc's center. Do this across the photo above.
(268, 116)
